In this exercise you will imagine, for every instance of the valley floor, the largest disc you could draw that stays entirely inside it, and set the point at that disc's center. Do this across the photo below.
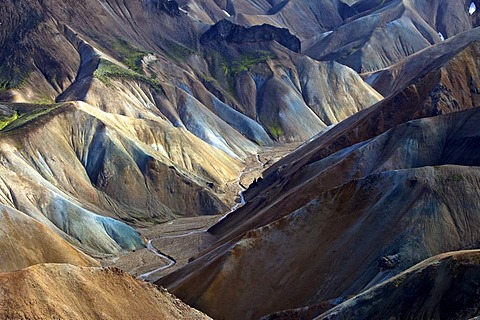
(177, 242)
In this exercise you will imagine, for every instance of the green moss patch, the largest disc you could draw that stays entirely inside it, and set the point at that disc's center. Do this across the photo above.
(246, 62)
(25, 114)
(276, 132)
(177, 51)
(6, 120)
(129, 55)
(107, 70)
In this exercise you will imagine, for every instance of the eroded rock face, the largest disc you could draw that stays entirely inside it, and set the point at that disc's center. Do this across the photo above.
(225, 30)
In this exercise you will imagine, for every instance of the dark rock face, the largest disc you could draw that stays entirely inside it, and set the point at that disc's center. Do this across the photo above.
(443, 287)
(388, 262)
(226, 31)
(168, 6)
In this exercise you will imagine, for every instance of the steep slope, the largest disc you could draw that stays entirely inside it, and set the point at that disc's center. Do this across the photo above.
(330, 162)
(383, 36)
(400, 199)
(45, 291)
(290, 184)
(25, 242)
(304, 18)
(171, 76)
(442, 287)
(74, 167)
(391, 79)
(291, 95)
(164, 117)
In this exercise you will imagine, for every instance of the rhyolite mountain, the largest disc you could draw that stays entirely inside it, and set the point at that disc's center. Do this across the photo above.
(375, 185)
(144, 118)
(116, 116)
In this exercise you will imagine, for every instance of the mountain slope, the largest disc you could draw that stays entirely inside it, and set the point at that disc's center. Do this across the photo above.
(331, 247)
(406, 26)
(442, 287)
(76, 162)
(25, 242)
(288, 184)
(69, 292)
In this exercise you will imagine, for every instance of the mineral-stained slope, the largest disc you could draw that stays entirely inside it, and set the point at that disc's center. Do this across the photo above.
(158, 115)
(350, 182)
(403, 199)
(62, 291)
(120, 114)
(290, 184)
(395, 77)
(25, 242)
(75, 167)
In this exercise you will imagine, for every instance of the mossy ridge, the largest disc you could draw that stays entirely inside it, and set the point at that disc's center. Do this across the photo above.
(107, 70)
(24, 114)
(247, 61)
(6, 120)
(129, 55)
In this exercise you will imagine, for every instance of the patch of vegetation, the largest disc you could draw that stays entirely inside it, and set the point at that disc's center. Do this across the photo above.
(25, 114)
(6, 120)
(276, 131)
(107, 70)
(19, 79)
(246, 62)
(129, 55)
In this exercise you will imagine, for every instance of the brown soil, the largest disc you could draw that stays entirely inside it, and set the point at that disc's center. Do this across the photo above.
(61, 291)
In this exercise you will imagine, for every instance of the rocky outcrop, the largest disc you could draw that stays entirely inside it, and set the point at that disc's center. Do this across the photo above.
(226, 31)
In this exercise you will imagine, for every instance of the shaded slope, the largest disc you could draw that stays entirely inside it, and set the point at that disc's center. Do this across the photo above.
(399, 182)
(395, 77)
(442, 287)
(45, 291)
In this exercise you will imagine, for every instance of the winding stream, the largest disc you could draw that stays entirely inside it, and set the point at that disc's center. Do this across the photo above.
(172, 262)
